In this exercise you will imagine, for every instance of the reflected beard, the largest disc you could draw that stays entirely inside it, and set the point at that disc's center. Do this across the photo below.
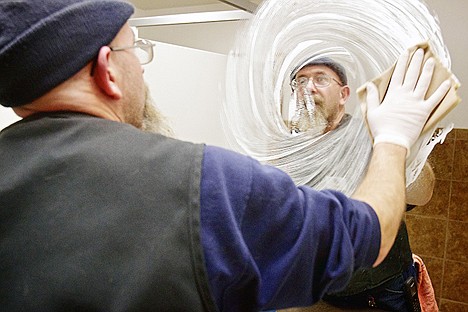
(153, 120)
(320, 116)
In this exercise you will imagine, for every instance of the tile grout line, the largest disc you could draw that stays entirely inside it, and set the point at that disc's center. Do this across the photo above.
(444, 262)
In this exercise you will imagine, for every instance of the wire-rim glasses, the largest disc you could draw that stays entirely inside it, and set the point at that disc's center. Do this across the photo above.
(319, 81)
(143, 50)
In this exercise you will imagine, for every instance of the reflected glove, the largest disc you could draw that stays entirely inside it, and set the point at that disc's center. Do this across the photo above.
(404, 110)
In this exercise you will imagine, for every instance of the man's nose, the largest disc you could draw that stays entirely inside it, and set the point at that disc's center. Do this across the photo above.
(311, 86)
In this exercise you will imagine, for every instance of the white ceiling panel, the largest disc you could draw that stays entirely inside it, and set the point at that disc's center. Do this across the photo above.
(170, 4)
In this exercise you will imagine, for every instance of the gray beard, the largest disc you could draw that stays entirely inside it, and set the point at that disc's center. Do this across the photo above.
(320, 117)
(153, 120)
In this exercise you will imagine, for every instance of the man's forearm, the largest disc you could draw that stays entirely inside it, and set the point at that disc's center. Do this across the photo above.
(383, 188)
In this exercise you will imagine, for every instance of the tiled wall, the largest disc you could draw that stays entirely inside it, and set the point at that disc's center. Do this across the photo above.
(439, 230)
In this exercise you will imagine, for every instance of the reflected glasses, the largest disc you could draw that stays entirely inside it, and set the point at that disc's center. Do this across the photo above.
(320, 81)
(143, 50)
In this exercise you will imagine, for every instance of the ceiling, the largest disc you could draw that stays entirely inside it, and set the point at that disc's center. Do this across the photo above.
(167, 4)
(176, 12)
(172, 4)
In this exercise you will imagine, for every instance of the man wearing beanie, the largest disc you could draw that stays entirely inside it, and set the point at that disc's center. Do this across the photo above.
(325, 81)
(384, 286)
(98, 215)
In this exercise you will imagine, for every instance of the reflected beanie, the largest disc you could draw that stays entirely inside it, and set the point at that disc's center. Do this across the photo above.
(45, 42)
(325, 61)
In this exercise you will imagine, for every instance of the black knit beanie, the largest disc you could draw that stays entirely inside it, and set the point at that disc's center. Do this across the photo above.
(45, 42)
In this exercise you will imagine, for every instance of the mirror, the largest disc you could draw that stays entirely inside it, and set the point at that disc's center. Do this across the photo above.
(365, 37)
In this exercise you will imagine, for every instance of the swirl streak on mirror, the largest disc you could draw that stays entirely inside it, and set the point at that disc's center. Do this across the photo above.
(365, 37)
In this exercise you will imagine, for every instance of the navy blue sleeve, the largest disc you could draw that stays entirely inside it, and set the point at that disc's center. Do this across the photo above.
(269, 244)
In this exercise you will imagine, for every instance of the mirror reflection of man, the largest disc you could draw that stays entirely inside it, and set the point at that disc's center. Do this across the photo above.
(325, 82)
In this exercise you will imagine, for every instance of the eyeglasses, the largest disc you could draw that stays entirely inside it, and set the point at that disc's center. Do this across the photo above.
(319, 81)
(143, 50)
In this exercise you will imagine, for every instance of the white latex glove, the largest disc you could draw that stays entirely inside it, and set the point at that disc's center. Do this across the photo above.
(404, 111)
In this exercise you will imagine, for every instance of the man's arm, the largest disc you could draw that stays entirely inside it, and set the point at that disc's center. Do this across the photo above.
(395, 125)
(383, 188)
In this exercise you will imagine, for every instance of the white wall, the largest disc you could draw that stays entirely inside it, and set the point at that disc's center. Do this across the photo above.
(453, 19)
(187, 86)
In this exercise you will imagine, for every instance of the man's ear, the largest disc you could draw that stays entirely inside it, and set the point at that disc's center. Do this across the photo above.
(103, 74)
(345, 92)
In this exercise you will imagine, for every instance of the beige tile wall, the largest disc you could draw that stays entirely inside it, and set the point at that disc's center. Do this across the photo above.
(439, 230)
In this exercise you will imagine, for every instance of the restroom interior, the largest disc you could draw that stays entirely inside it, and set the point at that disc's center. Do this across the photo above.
(437, 230)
